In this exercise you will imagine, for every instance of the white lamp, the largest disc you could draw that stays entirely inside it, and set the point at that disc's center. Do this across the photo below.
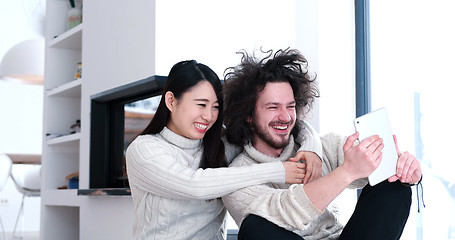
(24, 62)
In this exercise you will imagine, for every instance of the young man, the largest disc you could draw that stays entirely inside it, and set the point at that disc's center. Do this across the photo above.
(263, 98)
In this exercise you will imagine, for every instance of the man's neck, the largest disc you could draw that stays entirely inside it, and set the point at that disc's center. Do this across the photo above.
(267, 149)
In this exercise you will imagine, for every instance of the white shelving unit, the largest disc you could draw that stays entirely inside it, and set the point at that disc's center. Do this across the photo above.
(54, 197)
(71, 39)
(62, 108)
(71, 89)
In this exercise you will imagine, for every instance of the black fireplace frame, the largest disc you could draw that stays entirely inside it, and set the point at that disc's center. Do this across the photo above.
(107, 163)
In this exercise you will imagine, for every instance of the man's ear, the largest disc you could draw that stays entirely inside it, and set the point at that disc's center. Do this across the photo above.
(248, 119)
(169, 99)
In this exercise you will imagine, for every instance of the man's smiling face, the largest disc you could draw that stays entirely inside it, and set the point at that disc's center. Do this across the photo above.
(274, 118)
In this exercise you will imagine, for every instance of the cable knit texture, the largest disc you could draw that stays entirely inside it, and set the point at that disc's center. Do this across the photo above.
(173, 198)
(287, 205)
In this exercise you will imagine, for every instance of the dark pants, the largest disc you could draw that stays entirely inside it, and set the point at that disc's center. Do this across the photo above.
(381, 213)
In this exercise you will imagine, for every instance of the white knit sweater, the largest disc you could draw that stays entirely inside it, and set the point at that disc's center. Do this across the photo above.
(174, 198)
(287, 205)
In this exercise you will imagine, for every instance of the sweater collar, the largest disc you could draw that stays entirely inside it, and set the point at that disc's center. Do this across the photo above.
(179, 140)
(263, 158)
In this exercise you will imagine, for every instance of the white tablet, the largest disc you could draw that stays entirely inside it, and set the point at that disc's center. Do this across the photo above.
(377, 123)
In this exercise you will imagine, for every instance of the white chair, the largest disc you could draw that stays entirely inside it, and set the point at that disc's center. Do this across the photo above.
(27, 178)
(5, 169)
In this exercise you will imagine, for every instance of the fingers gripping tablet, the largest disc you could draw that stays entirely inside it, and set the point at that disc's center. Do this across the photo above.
(377, 123)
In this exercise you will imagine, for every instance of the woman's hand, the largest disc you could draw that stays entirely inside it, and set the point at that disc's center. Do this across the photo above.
(313, 165)
(295, 172)
(408, 167)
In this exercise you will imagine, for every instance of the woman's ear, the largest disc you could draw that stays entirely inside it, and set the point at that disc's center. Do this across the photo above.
(169, 99)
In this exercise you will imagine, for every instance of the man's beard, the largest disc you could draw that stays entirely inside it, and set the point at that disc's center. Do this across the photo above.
(265, 136)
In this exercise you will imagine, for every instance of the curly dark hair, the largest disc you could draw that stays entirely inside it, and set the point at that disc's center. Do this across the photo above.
(244, 82)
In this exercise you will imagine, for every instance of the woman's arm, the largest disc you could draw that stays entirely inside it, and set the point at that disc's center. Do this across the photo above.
(152, 167)
(309, 139)
(310, 152)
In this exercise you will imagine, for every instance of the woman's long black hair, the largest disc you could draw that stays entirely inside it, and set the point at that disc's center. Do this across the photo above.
(183, 76)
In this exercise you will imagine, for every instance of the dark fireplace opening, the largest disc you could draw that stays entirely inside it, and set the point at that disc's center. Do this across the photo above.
(117, 116)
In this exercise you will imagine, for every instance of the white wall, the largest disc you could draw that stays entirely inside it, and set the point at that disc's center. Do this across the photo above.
(20, 132)
(20, 20)
(211, 32)
(21, 107)
(337, 66)
(307, 40)
(118, 48)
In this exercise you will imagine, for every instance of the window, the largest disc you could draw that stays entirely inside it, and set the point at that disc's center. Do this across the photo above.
(412, 49)
(336, 77)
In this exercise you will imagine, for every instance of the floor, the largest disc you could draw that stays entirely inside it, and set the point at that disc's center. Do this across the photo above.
(27, 236)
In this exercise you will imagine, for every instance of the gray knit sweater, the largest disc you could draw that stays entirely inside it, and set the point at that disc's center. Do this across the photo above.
(174, 198)
(287, 205)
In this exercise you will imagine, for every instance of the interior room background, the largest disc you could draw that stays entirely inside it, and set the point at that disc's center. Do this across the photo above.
(411, 59)
(21, 107)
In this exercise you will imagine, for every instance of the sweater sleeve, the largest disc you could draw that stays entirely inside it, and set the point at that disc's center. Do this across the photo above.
(152, 167)
(309, 140)
(332, 145)
(288, 208)
(231, 150)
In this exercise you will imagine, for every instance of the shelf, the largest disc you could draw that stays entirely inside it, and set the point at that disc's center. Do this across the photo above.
(64, 139)
(104, 192)
(61, 197)
(71, 89)
(62, 108)
(71, 39)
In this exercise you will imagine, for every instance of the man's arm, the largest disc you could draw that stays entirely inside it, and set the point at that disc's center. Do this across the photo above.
(288, 208)
(359, 162)
(292, 208)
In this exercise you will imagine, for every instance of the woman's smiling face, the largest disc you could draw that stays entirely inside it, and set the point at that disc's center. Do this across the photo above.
(195, 112)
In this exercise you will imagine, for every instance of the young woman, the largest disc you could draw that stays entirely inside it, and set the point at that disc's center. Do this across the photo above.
(177, 167)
